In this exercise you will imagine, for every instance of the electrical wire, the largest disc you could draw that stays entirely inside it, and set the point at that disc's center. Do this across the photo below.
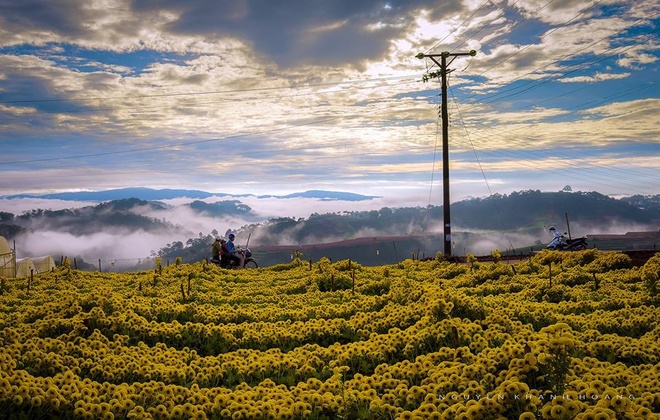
(206, 93)
(616, 172)
(184, 144)
(499, 213)
(459, 26)
(569, 70)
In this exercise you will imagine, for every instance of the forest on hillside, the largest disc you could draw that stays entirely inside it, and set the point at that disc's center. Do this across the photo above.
(524, 213)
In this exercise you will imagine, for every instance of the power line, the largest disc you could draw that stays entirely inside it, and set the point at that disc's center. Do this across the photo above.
(497, 209)
(617, 172)
(206, 93)
(456, 29)
(191, 143)
(316, 146)
(569, 70)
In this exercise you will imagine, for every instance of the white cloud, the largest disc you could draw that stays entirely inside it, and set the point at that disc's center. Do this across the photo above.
(277, 124)
(598, 77)
(106, 246)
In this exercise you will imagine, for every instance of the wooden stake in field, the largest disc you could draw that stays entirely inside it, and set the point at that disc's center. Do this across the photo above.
(353, 278)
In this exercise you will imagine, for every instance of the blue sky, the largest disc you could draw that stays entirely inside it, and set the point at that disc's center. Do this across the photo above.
(264, 97)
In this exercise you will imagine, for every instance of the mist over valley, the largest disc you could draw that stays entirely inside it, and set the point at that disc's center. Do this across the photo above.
(125, 231)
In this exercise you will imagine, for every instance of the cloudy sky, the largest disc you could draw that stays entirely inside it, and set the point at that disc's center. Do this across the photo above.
(268, 97)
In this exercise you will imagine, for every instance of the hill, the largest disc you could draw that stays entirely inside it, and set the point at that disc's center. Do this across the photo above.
(531, 209)
(480, 225)
(518, 221)
(117, 216)
(120, 194)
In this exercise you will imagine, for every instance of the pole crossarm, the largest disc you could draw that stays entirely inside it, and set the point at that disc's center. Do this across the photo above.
(442, 73)
(443, 56)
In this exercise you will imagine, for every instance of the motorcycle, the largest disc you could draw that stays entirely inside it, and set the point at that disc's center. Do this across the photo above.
(245, 260)
(561, 243)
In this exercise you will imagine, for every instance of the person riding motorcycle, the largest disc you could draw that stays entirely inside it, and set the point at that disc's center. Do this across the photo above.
(231, 251)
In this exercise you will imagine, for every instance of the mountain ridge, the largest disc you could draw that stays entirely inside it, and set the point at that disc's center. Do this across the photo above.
(153, 194)
(186, 230)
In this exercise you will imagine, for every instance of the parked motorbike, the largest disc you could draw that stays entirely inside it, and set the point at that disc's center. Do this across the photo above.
(561, 243)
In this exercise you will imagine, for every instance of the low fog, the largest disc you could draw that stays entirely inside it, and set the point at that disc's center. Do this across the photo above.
(271, 207)
(482, 242)
(112, 248)
(126, 248)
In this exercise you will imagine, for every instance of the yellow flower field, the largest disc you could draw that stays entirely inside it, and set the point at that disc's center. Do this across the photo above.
(559, 336)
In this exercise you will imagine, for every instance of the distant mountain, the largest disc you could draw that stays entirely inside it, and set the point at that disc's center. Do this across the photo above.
(479, 224)
(222, 208)
(148, 194)
(151, 194)
(526, 214)
(647, 202)
(116, 216)
(533, 209)
(329, 195)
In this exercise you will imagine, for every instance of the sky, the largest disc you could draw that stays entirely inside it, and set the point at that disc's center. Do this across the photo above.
(275, 97)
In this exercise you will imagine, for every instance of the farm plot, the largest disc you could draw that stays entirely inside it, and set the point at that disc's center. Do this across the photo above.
(559, 336)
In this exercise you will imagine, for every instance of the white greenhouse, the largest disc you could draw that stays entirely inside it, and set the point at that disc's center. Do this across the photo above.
(10, 266)
(7, 259)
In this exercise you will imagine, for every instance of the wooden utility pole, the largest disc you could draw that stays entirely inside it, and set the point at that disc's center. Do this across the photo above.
(442, 73)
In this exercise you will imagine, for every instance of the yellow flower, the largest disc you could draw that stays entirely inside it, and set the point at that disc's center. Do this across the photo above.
(512, 389)
(530, 359)
(406, 415)
(557, 411)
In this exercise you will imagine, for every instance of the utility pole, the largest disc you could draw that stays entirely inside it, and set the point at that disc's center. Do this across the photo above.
(442, 73)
